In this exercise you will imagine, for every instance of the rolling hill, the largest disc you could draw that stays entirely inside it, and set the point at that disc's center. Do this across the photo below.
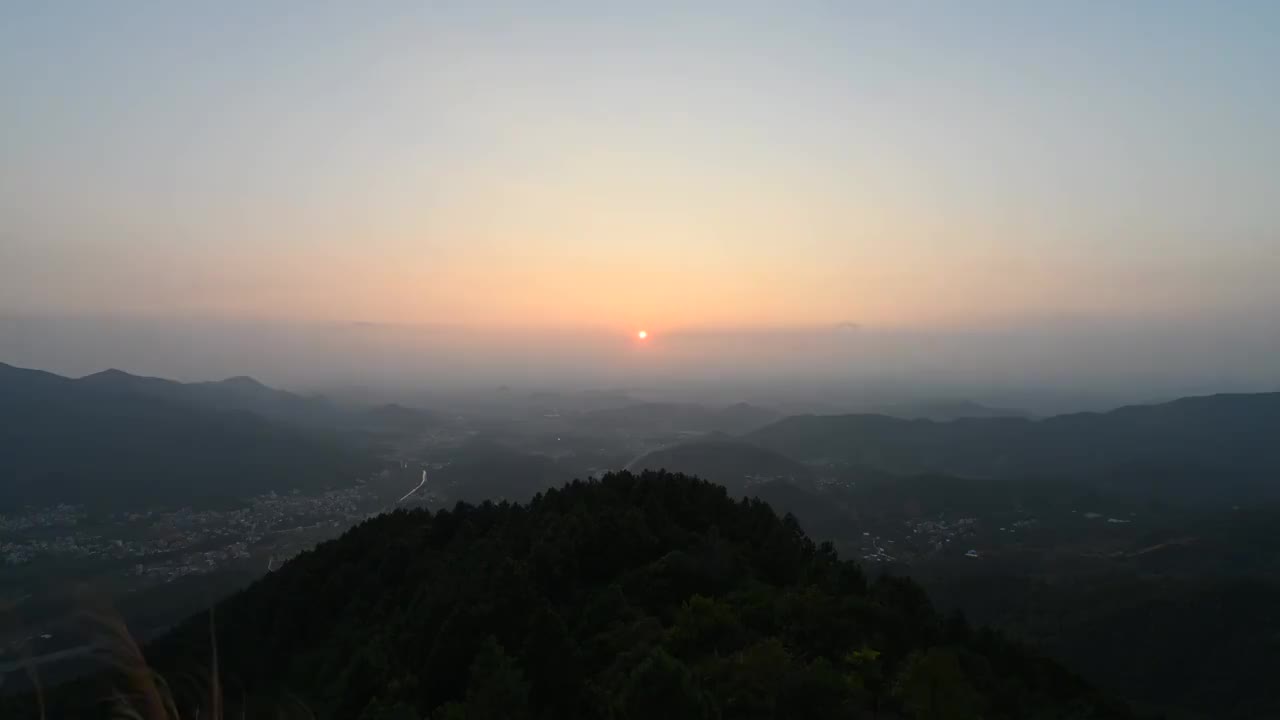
(1219, 447)
(236, 393)
(943, 410)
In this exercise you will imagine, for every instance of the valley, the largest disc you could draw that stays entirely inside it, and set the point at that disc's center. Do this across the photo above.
(1048, 557)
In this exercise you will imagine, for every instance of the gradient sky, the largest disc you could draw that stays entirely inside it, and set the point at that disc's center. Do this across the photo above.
(668, 165)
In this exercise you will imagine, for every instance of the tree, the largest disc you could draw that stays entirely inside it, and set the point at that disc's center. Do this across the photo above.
(663, 687)
(496, 689)
(701, 606)
(379, 709)
(932, 686)
(704, 625)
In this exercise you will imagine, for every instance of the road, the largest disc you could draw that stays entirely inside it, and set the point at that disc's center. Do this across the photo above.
(416, 489)
(631, 466)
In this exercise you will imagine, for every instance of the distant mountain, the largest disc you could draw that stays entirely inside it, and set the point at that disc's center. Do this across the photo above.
(1214, 447)
(246, 394)
(236, 393)
(114, 439)
(947, 410)
(743, 417)
(668, 418)
(399, 419)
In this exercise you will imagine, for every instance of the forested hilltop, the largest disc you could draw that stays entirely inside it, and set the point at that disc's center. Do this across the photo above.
(650, 596)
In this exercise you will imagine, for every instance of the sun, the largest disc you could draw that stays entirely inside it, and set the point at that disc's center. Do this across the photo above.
(642, 334)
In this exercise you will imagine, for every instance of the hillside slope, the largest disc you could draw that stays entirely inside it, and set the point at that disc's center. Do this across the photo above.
(628, 597)
(236, 393)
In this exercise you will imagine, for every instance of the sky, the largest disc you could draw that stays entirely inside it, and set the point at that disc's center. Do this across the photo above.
(680, 167)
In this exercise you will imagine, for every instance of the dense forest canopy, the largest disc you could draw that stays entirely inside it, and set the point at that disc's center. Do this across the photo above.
(645, 596)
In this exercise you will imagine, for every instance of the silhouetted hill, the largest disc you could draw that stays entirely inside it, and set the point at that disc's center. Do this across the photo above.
(399, 419)
(114, 439)
(947, 410)
(633, 598)
(236, 393)
(1215, 447)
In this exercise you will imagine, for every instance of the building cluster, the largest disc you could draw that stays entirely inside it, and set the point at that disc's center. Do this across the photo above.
(58, 516)
(171, 543)
(194, 563)
(934, 535)
(753, 480)
(875, 549)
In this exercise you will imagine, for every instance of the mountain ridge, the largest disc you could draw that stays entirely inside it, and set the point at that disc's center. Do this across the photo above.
(1171, 445)
(117, 438)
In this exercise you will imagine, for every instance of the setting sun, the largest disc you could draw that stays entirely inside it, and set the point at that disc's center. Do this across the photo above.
(642, 334)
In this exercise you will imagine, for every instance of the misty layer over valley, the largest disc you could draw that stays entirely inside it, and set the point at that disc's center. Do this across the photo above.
(1041, 367)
